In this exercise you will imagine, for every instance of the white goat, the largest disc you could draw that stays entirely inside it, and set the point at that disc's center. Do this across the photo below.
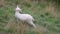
(24, 17)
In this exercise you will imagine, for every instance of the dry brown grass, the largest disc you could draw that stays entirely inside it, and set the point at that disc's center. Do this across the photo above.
(1, 2)
(22, 28)
(40, 29)
(52, 10)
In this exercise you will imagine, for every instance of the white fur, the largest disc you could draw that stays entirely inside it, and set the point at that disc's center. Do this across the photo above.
(24, 17)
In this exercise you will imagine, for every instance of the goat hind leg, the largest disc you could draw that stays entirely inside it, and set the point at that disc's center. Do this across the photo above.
(31, 23)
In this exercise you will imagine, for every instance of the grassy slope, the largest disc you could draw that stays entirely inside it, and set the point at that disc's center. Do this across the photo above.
(45, 16)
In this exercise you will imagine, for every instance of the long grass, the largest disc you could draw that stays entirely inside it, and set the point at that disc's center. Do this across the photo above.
(46, 15)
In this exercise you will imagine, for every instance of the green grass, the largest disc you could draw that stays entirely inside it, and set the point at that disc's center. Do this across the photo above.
(42, 16)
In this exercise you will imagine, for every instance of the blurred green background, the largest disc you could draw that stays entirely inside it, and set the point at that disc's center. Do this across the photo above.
(45, 12)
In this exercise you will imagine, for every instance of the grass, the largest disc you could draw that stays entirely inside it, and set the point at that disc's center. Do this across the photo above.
(46, 17)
